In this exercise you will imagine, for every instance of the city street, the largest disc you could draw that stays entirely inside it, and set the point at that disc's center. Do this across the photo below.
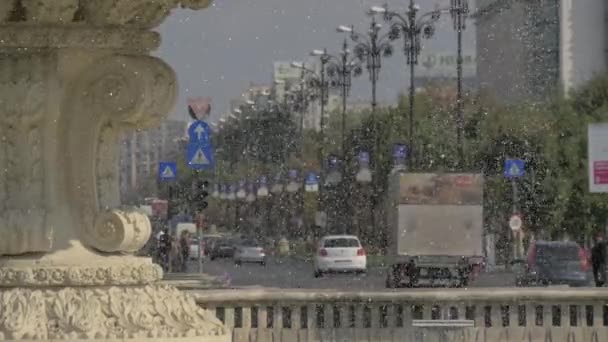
(297, 273)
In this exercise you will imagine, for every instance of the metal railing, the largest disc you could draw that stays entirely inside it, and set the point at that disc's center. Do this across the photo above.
(475, 315)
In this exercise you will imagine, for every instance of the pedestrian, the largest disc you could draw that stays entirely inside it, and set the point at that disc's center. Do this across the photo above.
(184, 244)
(164, 247)
(598, 261)
(174, 254)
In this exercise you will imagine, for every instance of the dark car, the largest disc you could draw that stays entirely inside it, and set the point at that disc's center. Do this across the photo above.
(223, 248)
(555, 263)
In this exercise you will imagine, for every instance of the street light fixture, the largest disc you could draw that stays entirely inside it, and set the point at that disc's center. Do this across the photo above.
(344, 28)
(317, 53)
(412, 28)
(378, 10)
(297, 65)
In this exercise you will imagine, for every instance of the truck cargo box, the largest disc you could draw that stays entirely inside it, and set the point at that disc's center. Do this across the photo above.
(436, 214)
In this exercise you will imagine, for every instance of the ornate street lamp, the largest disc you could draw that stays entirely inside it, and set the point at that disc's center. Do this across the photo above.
(459, 10)
(412, 28)
(340, 70)
(369, 49)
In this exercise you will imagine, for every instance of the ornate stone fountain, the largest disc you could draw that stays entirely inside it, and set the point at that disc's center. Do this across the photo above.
(74, 75)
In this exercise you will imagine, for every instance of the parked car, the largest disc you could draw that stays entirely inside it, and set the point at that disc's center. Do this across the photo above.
(250, 250)
(340, 253)
(555, 263)
(223, 248)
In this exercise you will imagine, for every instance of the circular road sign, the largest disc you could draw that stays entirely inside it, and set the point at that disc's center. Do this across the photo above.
(515, 222)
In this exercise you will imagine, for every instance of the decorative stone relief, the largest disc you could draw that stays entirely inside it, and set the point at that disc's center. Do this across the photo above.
(117, 93)
(23, 96)
(17, 36)
(98, 275)
(135, 13)
(6, 7)
(56, 11)
(144, 14)
(151, 312)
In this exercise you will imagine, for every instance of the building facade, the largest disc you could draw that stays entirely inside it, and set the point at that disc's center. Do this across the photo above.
(287, 78)
(140, 153)
(531, 50)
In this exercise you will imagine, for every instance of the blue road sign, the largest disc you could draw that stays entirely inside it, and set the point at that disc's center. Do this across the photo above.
(199, 133)
(399, 151)
(167, 171)
(200, 156)
(312, 179)
(311, 183)
(514, 168)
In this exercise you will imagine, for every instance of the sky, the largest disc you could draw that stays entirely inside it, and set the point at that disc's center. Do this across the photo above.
(219, 51)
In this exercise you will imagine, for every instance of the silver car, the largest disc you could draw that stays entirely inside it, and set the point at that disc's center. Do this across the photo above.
(249, 250)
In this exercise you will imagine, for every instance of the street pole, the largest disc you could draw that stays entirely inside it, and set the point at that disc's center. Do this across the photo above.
(345, 73)
(199, 232)
(324, 93)
(413, 28)
(412, 62)
(459, 11)
(514, 211)
(459, 107)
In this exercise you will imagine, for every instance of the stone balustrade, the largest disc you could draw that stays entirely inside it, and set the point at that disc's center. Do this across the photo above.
(468, 315)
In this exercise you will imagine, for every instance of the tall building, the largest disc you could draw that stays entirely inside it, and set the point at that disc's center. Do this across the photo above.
(528, 50)
(583, 39)
(140, 153)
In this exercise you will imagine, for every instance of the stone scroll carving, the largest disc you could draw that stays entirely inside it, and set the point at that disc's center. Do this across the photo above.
(122, 92)
(120, 231)
(23, 96)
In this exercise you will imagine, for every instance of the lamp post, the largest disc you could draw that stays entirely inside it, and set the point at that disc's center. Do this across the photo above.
(318, 84)
(459, 10)
(319, 88)
(340, 70)
(369, 49)
(412, 27)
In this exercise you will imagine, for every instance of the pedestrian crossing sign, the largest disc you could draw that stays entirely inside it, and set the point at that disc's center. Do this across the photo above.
(167, 171)
(514, 168)
(200, 156)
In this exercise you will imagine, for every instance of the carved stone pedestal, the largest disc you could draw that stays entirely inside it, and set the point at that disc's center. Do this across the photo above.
(74, 75)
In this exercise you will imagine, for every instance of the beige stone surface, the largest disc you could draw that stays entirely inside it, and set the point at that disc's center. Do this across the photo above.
(74, 76)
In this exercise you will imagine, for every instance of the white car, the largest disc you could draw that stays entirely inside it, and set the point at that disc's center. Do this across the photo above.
(340, 253)
(249, 251)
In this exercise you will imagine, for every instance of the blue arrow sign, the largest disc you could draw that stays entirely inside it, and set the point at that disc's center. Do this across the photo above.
(199, 132)
(167, 171)
(514, 168)
(200, 156)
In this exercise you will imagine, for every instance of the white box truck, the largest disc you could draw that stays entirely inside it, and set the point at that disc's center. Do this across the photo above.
(435, 229)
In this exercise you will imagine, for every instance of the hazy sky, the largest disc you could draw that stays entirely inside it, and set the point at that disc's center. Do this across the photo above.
(217, 52)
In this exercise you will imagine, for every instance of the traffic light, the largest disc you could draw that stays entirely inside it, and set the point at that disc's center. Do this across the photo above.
(201, 194)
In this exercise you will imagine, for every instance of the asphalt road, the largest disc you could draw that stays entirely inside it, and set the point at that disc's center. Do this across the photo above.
(297, 273)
